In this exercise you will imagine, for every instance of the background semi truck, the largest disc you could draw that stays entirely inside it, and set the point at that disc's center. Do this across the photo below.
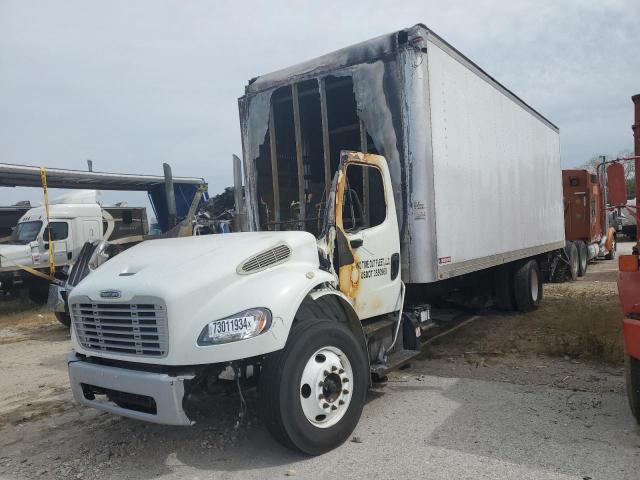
(586, 224)
(74, 219)
(380, 177)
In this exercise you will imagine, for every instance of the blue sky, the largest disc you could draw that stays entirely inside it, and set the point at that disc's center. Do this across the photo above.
(132, 84)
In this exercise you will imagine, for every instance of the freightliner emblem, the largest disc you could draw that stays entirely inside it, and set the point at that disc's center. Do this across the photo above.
(110, 294)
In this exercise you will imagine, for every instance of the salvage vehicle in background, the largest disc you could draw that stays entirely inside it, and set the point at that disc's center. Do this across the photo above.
(629, 290)
(74, 219)
(586, 221)
(391, 170)
(628, 221)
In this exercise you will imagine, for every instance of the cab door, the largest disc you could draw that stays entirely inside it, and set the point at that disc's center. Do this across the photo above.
(60, 232)
(367, 236)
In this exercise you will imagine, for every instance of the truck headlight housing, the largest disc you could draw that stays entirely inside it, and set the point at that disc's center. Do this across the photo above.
(246, 324)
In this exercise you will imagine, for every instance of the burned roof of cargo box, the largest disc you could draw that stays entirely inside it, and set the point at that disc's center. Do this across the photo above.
(369, 51)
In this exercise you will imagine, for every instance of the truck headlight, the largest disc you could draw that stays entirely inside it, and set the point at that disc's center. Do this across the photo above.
(246, 324)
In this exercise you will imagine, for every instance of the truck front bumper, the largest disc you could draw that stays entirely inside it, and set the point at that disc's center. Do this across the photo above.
(161, 394)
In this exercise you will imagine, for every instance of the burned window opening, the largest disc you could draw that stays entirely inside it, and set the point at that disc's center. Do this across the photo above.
(327, 115)
(264, 184)
(286, 161)
(343, 121)
(357, 204)
(313, 154)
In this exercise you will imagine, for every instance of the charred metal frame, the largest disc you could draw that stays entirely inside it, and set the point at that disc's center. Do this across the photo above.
(299, 158)
(274, 168)
(326, 147)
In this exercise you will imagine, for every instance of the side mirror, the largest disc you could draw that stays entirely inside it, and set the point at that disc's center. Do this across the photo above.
(616, 184)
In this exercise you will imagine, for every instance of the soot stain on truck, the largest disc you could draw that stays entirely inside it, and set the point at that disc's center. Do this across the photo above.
(363, 112)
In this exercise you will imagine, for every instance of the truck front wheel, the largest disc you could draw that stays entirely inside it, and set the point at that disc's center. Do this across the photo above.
(632, 374)
(64, 318)
(312, 392)
(583, 254)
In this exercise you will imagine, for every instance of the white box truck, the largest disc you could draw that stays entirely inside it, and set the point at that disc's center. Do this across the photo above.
(389, 170)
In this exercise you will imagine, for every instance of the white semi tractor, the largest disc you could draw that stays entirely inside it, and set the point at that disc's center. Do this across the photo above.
(74, 219)
(389, 171)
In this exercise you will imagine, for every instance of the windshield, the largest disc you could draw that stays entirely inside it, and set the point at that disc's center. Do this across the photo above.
(26, 232)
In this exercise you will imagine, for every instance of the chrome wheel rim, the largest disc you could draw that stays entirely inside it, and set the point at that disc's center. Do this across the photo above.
(325, 387)
(535, 286)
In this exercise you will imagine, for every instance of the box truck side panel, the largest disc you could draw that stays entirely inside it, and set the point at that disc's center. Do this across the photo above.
(497, 174)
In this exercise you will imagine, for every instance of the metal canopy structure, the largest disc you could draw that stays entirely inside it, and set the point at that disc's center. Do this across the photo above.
(29, 176)
(184, 188)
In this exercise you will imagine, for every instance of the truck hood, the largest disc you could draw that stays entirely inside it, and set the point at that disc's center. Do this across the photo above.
(193, 281)
(15, 253)
(169, 268)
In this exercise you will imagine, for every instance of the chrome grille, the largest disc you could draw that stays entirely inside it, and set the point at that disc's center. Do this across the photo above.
(123, 328)
(267, 258)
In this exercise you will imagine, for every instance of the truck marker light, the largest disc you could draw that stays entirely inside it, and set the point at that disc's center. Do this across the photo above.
(628, 263)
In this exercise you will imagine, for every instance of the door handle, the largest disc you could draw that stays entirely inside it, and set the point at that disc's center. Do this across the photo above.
(356, 242)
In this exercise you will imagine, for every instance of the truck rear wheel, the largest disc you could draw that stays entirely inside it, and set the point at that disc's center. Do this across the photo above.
(567, 264)
(583, 254)
(312, 392)
(527, 285)
(39, 292)
(503, 288)
(632, 377)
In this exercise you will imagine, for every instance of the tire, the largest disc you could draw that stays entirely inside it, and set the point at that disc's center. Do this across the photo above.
(39, 293)
(583, 254)
(503, 288)
(311, 350)
(64, 318)
(527, 285)
(612, 253)
(632, 377)
(574, 261)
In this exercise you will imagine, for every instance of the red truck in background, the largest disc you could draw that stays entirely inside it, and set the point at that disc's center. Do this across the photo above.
(586, 228)
(629, 291)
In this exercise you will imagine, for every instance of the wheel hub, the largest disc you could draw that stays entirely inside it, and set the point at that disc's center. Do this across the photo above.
(325, 387)
(332, 387)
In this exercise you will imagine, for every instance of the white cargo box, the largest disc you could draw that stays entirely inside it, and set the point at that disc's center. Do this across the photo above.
(476, 172)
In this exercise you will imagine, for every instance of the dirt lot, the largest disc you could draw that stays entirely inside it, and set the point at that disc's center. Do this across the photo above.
(574, 340)
(506, 396)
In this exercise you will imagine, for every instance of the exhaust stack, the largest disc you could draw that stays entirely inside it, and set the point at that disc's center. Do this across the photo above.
(636, 136)
(171, 197)
(238, 196)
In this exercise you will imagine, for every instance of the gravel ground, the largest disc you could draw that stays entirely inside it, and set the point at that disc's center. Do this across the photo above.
(415, 426)
(465, 414)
